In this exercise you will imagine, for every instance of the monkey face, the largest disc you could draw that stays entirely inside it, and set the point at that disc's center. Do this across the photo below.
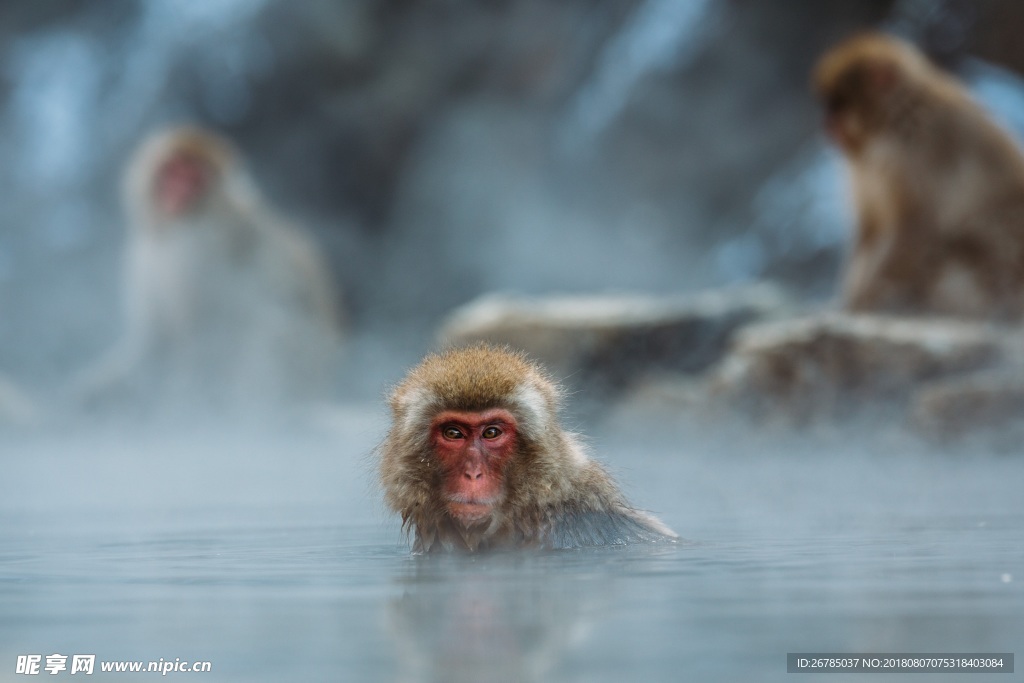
(859, 84)
(836, 118)
(473, 449)
(181, 184)
(851, 107)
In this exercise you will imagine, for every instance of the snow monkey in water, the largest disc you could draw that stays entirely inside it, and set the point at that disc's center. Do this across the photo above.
(476, 459)
(225, 303)
(938, 187)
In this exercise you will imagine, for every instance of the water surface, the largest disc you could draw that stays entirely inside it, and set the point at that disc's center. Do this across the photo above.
(273, 558)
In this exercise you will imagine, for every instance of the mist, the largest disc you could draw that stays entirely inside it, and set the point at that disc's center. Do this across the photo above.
(434, 154)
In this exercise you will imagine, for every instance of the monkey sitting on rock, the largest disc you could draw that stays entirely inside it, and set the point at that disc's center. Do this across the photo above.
(938, 186)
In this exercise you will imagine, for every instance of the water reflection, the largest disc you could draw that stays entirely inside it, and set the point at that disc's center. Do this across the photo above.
(468, 619)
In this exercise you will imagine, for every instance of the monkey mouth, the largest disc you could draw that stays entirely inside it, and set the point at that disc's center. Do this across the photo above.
(465, 510)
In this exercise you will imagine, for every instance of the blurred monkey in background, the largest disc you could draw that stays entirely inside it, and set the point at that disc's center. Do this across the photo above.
(226, 306)
(938, 187)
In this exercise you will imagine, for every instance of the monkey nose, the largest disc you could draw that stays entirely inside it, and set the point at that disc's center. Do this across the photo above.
(473, 474)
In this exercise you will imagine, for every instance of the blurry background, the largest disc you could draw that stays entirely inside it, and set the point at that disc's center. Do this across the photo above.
(438, 150)
(442, 149)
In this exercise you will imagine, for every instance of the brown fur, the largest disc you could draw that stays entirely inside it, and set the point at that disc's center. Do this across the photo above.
(939, 188)
(553, 497)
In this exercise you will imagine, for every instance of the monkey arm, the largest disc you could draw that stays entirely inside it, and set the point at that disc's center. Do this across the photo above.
(112, 372)
(891, 265)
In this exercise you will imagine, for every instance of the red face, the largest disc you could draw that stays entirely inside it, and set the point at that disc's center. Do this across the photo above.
(837, 130)
(180, 184)
(473, 449)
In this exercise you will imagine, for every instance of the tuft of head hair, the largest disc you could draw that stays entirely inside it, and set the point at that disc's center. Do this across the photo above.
(864, 54)
(477, 378)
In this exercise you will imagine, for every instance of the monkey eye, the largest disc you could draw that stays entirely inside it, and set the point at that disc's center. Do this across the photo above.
(491, 433)
(452, 433)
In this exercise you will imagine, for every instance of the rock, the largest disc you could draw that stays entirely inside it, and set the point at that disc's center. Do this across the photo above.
(609, 340)
(827, 363)
(960, 406)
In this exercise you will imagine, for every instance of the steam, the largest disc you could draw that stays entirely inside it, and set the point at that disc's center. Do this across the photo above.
(661, 34)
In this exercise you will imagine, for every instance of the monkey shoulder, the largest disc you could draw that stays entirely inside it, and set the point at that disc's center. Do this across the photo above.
(596, 514)
(578, 527)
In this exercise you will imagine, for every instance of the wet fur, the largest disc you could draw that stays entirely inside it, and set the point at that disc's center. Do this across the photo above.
(554, 495)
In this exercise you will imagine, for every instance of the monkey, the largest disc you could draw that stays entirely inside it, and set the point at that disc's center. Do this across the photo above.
(223, 301)
(476, 460)
(937, 185)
